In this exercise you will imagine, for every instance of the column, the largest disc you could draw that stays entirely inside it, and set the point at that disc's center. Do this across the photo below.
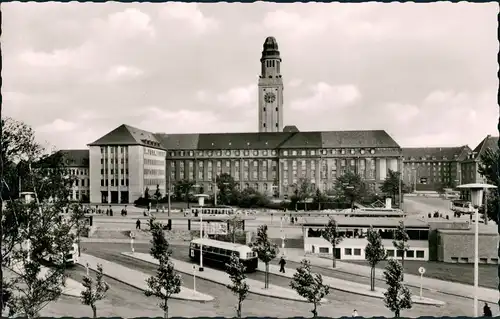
(118, 167)
(381, 169)
(241, 173)
(108, 150)
(317, 162)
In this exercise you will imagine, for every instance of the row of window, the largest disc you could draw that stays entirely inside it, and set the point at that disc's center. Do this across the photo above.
(114, 149)
(329, 151)
(113, 161)
(427, 164)
(427, 158)
(75, 171)
(160, 172)
(390, 252)
(148, 161)
(81, 182)
(114, 182)
(385, 233)
(154, 152)
(154, 182)
(114, 171)
(314, 152)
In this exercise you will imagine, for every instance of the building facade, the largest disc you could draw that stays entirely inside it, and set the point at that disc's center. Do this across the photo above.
(127, 161)
(433, 168)
(124, 163)
(470, 165)
(77, 164)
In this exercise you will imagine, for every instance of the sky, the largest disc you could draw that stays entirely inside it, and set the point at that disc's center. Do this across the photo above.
(425, 73)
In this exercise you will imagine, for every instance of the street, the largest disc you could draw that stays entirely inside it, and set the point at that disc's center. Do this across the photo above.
(340, 303)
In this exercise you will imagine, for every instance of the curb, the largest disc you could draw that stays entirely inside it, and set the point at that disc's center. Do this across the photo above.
(72, 295)
(142, 289)
(416, 300)
(219, 283)
(406, 283)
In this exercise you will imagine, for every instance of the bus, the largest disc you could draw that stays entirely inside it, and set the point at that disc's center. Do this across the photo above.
(218, 253)
(461, 207)
(211, 210)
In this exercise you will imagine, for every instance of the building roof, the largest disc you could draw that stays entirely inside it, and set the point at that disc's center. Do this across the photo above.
(128, 135)
(365, 222)
(290, 129)
(436, 153)
(79, 158)
(489, 142)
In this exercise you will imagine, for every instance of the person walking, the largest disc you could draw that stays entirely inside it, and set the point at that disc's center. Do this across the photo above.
(487, 310)
(282, 264)
(138, 224)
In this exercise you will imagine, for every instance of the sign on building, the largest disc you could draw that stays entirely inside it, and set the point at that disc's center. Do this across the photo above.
(213, 228)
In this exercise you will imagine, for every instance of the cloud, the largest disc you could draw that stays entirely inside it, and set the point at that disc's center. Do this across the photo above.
(327, 97)
(131, 23)
(190, 14)
(58, 125)
(122, 72)
(295, 83)
(293, 23)
(238, 97)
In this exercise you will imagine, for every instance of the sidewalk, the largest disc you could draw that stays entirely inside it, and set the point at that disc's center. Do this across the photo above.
(73, 288)
(217, 276)
(446, 287)
(349, 286)
(136, 278)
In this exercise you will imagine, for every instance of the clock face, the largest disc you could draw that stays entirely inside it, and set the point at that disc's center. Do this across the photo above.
(269, 97)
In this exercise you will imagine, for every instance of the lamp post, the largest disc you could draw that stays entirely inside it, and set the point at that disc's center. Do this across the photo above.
(476, 191)
(201, 203)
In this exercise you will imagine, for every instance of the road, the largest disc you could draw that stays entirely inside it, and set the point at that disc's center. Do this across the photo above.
(340, 303)
(424, 205)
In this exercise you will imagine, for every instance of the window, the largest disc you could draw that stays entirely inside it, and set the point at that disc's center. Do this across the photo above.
(122, 182)
(102, 182)
(276, 111)
(399, 253)
(76, 182)
(357, 252)
(324, 250)
(420, 254)
(348, 251)
(264, 111)
(276, 123)
(410, 254)
(390, 252)
(126, 182)
(102, 171)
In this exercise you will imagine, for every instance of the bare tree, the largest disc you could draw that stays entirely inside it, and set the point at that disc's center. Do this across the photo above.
(332, 234)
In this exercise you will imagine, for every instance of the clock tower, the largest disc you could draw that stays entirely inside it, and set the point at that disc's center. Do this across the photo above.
(270, 89)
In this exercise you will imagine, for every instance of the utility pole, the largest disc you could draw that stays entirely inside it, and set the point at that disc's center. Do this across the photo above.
(169, 189)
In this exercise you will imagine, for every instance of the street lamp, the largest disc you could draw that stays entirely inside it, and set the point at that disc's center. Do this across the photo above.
(476, 191)
(201, 203)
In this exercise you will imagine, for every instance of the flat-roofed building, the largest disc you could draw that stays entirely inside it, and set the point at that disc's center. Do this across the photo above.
(354, 231)
(433, 168)
(457, 246)
(123, 163)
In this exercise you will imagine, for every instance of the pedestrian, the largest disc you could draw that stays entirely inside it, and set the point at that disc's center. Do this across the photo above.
(355, 313)
(487, 310)
(282, 264)
(138, 224)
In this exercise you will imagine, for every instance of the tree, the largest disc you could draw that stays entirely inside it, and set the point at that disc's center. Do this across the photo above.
(351, 187)
(303, 190)
(157, 196)
(235, 223)
(226, 189)
(31, 231)
(400, 241)
(265, 249)
(182, 188)
(398, 296)
(167, 281)
(488, 168)
(309, 285)
(374, 253)
(79, 223)
(334, 237)
(391, 185)
(319, 197)
(91, 295)
(236, 271)
(249, 197)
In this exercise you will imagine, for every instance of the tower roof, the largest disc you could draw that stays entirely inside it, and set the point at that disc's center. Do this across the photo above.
(270, 49)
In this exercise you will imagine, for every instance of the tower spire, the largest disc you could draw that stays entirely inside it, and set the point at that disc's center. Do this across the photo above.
(270, 88)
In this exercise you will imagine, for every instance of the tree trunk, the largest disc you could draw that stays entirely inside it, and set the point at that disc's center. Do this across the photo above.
(79, 250)
(334, 259)
(396, 314)
(238, 312)
(165, 311)
(315, 311)
(266, 278)
(372, 279)
(94, 311)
